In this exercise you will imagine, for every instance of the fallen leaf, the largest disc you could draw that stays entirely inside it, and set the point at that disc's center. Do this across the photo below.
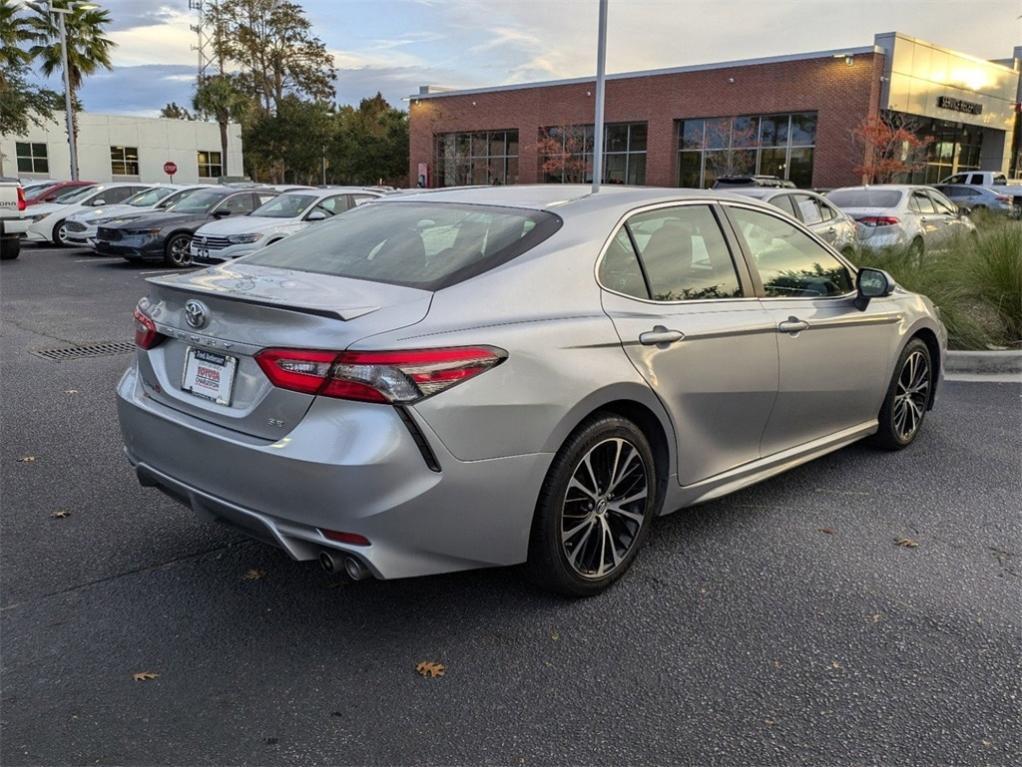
(27, 459)
(835, 664)
(769, 722)
(253, 574)
(61, 514)
(876, 617)
(777, 664)
(430, 669)
(986, 743)
(144, 676)
(70, 391)
(555, 636)
(906, 543)
(826, 530)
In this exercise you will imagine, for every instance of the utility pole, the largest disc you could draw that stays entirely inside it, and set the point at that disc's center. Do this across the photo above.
(68, 102)
(601, 73)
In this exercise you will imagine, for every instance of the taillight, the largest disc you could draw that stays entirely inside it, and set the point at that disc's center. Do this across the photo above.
(146, 335)
(21, 199)
(390, 377)
(878, 220)
(1003, 198)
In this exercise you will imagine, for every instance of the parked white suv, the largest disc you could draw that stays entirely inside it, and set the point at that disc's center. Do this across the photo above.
(895, 215)
(12, 221)
(48, 222)
(282, 216)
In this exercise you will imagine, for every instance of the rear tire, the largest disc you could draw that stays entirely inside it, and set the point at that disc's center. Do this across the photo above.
(595, 509)
(176, 252)
(10, 248)
(917, 249)
(908, 397)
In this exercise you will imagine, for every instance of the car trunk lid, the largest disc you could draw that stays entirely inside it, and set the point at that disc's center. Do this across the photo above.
(237, 310)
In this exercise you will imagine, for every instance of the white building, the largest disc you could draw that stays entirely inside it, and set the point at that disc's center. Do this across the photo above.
(123, 148)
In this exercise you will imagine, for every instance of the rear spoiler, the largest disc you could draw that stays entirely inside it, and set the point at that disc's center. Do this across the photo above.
(317, 311)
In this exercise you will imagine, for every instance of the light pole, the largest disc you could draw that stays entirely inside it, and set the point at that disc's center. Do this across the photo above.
(68, 103)
(601, 67)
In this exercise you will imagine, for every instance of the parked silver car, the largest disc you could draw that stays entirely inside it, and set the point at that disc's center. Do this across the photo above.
(971, 198)
(827, 222)
(893, 215)
(482, 377)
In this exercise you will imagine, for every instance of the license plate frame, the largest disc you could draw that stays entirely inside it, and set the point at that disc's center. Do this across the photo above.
(213, 373)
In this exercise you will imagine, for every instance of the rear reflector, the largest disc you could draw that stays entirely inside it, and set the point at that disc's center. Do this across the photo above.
(353, 538)
(396, 377)
(146, 335)
(879, 220)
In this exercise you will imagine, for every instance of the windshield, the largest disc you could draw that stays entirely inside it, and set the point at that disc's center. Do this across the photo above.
(74, 195)
(149, 197)
(420, 245)
(202, 201)
(285, 206)
(865, 198)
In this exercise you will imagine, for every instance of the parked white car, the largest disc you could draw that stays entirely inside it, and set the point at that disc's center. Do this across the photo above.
(82, 226)
(282, 216)
(12, 218)
(48, 222)
(902, 215)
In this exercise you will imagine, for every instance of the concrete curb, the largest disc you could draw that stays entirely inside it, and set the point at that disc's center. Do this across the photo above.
(997, 363)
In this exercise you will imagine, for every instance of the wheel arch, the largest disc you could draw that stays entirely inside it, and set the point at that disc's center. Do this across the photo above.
(928, 337)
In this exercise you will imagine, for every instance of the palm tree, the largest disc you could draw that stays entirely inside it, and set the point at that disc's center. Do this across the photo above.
(219, 98)
(15, 36)
(87, 49)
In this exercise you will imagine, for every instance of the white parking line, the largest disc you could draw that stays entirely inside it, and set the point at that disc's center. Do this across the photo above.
(97, 259)
(164, 271)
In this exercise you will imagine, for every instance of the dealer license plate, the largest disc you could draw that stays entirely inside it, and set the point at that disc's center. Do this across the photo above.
(209, 375)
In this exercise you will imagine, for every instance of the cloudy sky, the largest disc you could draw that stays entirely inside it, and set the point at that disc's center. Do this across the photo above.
(395, 46)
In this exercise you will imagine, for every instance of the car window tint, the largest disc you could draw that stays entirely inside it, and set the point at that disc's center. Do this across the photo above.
(790, 262)
(358, 199)
(239, 203)
(921, 203)
(620, 270)
(684, 254)
(942, 204)
(809, 210)
(785, 203)
(334, 205)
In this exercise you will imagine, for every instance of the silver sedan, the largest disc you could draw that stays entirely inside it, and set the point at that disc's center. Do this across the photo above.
(480, 377)
(827, 222)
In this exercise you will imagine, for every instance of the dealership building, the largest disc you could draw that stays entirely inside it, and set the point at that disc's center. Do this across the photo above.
(791, 116)
(123, 148)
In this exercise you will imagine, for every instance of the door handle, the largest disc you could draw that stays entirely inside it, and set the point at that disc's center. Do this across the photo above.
(660, 335)
(831, 229)
(792, 325)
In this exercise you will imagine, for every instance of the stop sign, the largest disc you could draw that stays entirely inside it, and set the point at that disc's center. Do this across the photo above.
(169, 168)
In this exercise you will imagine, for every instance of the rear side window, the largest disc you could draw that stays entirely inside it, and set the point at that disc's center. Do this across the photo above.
(420, 245)
(684, 254)
(942, 204)
(921, 203)
(808, 209)
(790, 263)
(620, 270)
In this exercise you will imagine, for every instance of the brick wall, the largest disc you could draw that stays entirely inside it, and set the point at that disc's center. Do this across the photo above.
(840, 94)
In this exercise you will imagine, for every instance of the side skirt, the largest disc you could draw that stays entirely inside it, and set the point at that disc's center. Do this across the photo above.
(756, 471)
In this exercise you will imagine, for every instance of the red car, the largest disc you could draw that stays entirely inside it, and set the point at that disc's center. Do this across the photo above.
(51, 192)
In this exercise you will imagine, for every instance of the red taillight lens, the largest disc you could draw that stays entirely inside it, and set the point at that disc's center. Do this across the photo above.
(146, 335)
(393, 377)
(1003, 198)
(21, 199)
(879, 220)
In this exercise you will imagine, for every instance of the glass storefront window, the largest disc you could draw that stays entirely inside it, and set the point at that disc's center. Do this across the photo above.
(566, 154)
(691, 134)
(803, 129)
(800, 167)
(482, 157)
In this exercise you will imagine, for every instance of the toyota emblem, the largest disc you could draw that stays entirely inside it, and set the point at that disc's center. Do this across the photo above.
(196, 314)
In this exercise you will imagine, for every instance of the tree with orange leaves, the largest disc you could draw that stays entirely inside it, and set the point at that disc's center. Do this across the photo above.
(888, 147)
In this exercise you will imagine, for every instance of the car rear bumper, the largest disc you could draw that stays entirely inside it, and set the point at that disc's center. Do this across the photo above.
(347, 466)
(13, 227)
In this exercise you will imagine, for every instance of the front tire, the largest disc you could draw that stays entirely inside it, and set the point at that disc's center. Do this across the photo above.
(60, 235)
(176, 252)
(908, 398)
(595, 509)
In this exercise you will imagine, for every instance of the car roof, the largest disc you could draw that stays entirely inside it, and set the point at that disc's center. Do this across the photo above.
(562, 198)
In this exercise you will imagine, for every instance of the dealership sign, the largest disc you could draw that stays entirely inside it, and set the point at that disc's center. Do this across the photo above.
(957, 105)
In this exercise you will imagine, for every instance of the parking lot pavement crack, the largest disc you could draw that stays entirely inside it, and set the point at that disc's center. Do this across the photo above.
(37, 332)
(126, 573)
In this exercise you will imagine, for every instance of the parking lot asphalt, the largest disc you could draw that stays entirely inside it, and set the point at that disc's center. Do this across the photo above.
(782, 625)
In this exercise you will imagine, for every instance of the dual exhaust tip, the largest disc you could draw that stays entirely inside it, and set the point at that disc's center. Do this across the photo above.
(335, 562)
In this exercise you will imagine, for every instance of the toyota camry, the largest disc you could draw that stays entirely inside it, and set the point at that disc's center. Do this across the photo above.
(459, 379)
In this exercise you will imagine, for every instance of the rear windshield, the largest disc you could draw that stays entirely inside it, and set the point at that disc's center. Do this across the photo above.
(419, 245)
(865, 198)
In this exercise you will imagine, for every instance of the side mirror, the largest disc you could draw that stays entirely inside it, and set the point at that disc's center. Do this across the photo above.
(97, 203)
(222, 213)
(316, 215)
(870, 284)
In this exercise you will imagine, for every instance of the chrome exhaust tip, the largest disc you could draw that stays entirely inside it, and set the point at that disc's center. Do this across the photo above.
(355, 569)
(330, 562)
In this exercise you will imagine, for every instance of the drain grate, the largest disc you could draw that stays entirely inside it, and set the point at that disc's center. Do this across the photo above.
(86, 350)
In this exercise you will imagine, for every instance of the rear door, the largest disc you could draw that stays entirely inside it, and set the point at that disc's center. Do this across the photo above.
(931, 225)
(683, 305)
(833, 364)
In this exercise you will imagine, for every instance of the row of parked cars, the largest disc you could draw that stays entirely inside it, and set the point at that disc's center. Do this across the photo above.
(177, 223)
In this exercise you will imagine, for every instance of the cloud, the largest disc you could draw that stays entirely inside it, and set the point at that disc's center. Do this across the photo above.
(140, 90)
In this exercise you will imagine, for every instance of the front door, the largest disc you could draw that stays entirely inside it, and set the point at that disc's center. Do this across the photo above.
(685, 311)
(834, 359)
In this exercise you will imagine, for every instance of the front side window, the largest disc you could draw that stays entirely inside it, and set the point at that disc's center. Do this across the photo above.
(334, 205)
(684, 254)
(942, 204)
(210, 164)
(790, 262)
(32, 157)
(113, 195)
(124, 160)
(200, 202)
(239, 203)
(809, 210)
(416, 244)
